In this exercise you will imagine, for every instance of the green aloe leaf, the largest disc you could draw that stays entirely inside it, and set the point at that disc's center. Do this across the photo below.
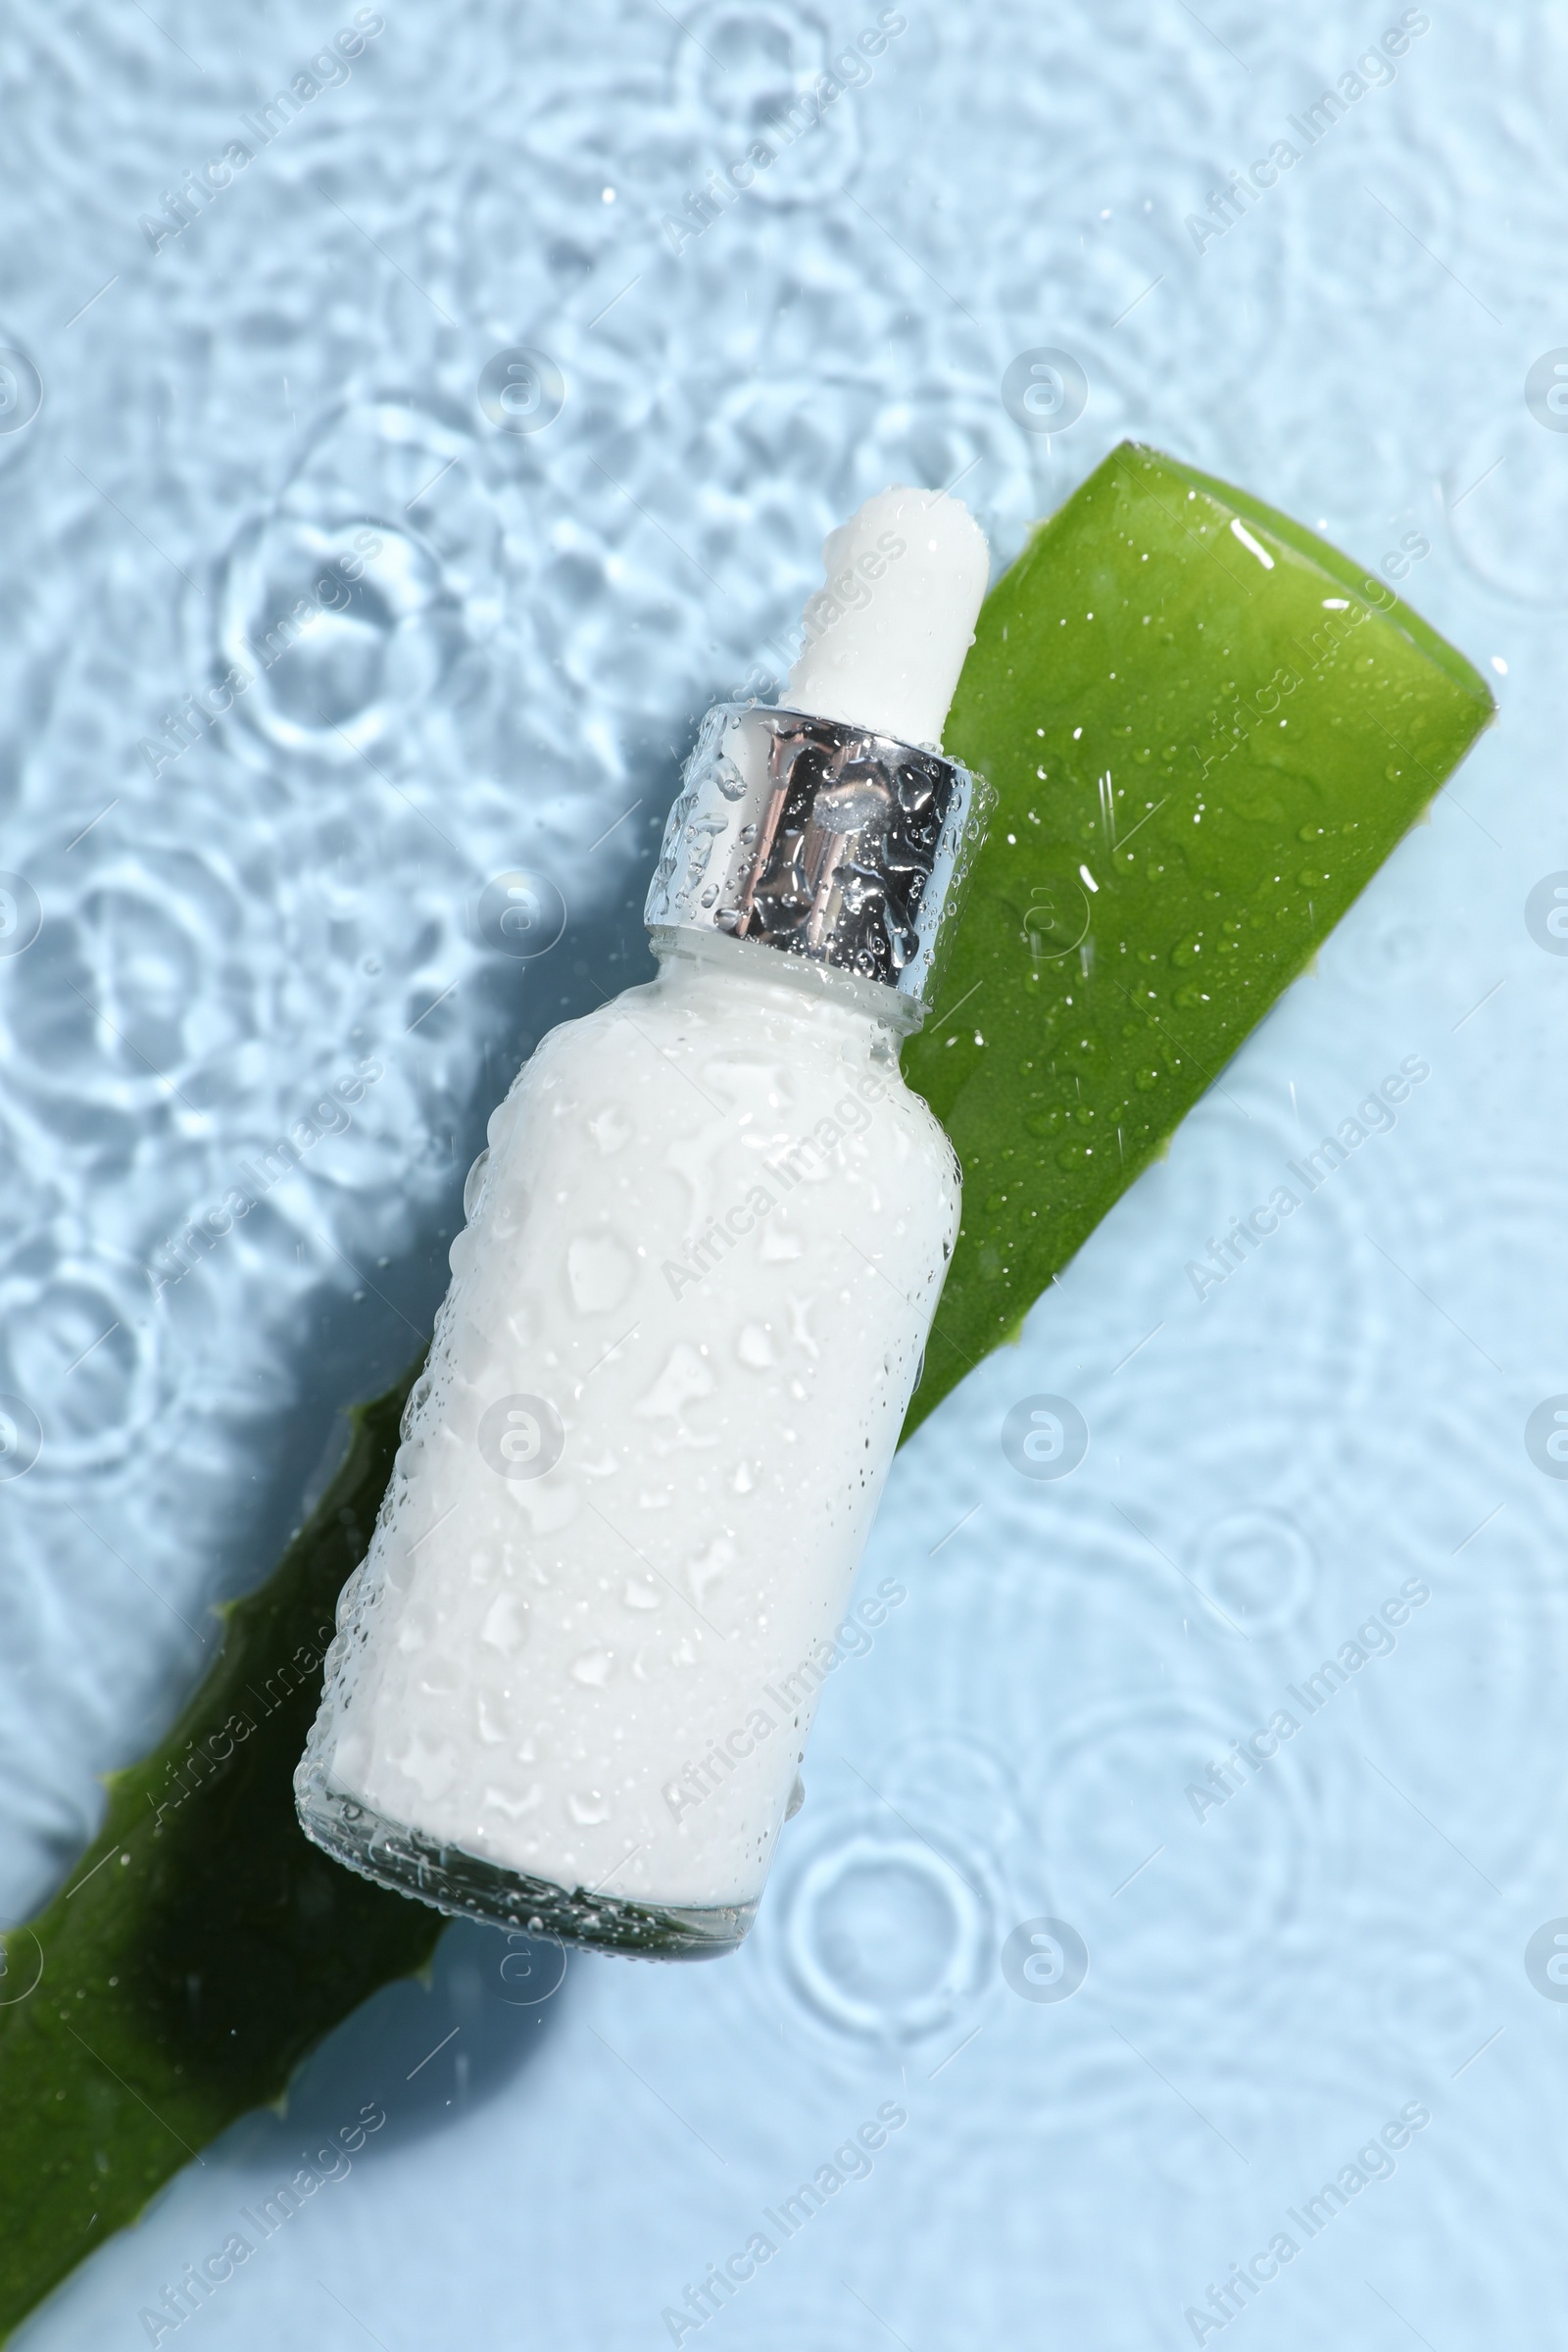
(1178, 694)
(1207, 729)
(201, 1948)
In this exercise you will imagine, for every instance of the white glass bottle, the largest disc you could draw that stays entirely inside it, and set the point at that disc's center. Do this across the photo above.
(574, 1675)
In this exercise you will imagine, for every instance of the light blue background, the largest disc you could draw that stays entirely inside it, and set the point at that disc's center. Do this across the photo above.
(551, 613)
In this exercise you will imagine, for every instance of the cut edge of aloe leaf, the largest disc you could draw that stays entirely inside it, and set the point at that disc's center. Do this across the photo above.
(1374, 743)
(1340, 567)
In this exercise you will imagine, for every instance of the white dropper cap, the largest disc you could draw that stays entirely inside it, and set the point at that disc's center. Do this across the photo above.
(885, 638)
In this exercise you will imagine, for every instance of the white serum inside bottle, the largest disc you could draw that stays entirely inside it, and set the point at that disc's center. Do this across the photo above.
(574, 1675)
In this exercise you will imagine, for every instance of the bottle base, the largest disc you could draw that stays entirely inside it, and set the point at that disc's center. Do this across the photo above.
(463, 1884)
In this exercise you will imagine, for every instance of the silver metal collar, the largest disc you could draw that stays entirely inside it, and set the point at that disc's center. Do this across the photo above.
(826, 841)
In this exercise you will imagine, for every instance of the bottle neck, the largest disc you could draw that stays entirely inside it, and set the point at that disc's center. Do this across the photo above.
(766, 967)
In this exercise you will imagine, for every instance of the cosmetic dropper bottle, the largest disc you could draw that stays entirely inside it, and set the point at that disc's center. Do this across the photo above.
(574, 1673)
